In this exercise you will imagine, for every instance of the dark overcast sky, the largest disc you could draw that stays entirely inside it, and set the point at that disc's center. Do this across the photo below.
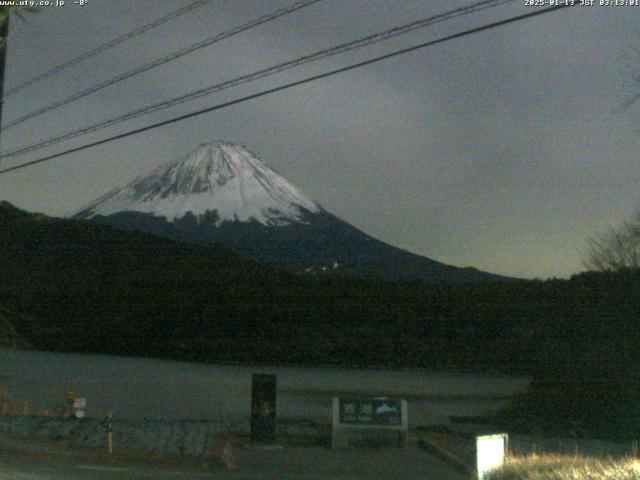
(502, 150)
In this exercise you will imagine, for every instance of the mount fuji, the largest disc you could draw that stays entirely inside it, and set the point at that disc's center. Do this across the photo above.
(222, 193)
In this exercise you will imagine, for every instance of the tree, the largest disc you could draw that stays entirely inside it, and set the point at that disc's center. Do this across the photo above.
(617, 249)
(5, 12)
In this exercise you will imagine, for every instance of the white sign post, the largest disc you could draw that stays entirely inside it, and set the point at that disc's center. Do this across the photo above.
(490, 452)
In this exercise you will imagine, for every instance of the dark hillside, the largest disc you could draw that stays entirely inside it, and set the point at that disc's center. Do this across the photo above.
(91, 288)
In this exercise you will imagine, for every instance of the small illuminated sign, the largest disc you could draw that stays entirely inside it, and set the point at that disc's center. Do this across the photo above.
(374, 411)
(491, 451)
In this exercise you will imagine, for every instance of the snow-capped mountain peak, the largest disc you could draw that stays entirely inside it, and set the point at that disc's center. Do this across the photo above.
(219, 178)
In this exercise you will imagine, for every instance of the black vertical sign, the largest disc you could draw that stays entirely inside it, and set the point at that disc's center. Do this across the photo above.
(263, 408)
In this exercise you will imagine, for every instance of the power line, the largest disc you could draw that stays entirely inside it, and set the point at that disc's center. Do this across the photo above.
(106, 46)
(161, 61)
(290, 85)
(345, 47)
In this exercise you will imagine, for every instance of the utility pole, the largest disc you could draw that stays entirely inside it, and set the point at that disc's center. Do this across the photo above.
(4, 39)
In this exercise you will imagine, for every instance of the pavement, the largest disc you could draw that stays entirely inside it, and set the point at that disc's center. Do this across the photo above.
(303, 463)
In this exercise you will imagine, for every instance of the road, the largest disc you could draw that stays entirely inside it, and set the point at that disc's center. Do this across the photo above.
(299, 463)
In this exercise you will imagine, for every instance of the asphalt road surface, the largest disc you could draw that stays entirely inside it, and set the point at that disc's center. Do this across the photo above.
(300, 463)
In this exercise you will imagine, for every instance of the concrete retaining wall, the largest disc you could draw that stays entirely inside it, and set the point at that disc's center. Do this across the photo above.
(194, 438)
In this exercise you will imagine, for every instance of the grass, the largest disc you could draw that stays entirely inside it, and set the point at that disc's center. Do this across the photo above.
(562, 467)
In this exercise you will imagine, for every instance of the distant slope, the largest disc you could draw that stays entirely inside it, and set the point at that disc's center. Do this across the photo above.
(97, 281)
(323, 244)
(94, 288)
(223, 193)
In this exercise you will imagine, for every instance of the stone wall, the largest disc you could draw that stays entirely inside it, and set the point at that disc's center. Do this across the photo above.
(194, 438)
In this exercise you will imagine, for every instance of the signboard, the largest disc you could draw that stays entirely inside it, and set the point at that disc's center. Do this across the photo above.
(376, 411)
(78, 407)
(491, 450)
(263, 408)
(369, 422)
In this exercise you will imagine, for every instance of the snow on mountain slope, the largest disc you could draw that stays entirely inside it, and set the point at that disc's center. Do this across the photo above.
(221, 193)
(219, 177)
